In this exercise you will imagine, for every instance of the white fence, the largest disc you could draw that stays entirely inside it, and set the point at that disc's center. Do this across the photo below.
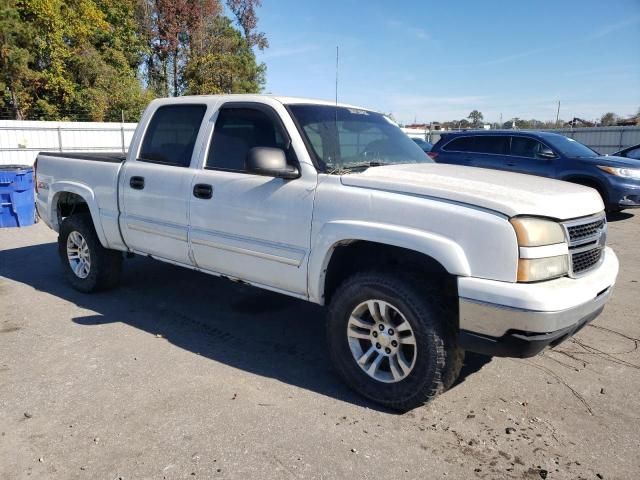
(602, 139)
(20, 141)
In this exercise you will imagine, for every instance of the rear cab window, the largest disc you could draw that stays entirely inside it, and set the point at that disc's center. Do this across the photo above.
(171, 135)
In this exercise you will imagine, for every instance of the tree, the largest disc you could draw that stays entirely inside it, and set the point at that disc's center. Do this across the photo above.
(476, 118)
(609, 119)
(193, 48)
(74, 59)
(245, 13)
(222, 62)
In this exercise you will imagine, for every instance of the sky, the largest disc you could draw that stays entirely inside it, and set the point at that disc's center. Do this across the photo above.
(438, 60)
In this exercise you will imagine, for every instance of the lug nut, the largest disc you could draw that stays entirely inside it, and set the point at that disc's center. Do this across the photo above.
(378, 346)
(391, 331)
(394, 343)
(388, 350)
(381, 327)
(375, 334)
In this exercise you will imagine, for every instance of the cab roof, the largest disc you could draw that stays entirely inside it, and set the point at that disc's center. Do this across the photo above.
(254, 97)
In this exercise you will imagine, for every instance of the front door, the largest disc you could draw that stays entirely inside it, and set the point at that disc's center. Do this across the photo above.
(155, 187)
(251, 227)
(525, 158)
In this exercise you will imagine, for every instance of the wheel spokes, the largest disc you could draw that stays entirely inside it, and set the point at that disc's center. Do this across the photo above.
(358, 322)
(78, 255)
(376, 330)
(366, 355)
(373, 368)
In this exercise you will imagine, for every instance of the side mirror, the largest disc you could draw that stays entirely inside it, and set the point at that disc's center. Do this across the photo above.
(546, 153)
(270, 162)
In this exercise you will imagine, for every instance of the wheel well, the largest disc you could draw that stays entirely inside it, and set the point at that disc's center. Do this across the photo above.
(357, 256)
(69, 204)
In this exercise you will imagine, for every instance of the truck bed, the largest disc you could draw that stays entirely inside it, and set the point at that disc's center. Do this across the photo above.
(111, 157)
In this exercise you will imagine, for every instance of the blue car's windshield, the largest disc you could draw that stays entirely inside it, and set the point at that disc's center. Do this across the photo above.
(347, 138)
(570, 147)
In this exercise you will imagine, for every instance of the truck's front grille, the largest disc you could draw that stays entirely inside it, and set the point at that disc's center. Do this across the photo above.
(583, 261)
(586, 230)
(587, 238)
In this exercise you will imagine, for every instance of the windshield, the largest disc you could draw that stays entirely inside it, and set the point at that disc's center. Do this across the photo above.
(570, 147)
(347, 138)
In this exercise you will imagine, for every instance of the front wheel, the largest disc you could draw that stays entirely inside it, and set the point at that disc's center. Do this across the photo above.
(392, 339)
(87, 264)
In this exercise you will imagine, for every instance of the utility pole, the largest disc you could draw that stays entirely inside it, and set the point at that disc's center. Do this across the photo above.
(558, 114)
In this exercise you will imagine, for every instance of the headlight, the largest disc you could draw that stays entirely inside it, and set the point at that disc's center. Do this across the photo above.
(621, 172)
(536, 232)
(536, 269)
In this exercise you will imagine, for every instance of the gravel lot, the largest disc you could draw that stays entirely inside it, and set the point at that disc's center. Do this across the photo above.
(180, 375)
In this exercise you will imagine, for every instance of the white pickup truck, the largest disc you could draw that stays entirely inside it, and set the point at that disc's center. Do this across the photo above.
(416, 261)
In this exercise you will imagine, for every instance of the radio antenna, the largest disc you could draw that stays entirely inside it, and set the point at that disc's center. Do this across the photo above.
(337, 57)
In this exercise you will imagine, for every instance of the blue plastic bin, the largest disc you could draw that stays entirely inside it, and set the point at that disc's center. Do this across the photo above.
(17, 202)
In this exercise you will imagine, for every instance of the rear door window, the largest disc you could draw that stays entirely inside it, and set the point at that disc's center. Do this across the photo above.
(462, 144)
(492, 144)
(171, 135)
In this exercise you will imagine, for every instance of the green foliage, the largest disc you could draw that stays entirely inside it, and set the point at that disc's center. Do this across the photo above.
(608, 119)
(221, 61)
(84, 59)
(74, 59)
(476, 118)
(193, 48)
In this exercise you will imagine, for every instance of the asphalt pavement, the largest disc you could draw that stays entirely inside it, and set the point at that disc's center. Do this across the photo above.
(179, 375)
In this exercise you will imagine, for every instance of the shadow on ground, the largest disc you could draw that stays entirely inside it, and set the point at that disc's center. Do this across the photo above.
(619, 216)
(251, 329)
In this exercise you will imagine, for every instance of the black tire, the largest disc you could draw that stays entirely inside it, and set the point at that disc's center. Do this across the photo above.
(106, 265)
(432, 318)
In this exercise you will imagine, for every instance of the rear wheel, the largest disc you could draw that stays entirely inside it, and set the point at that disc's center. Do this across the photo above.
(87, 264)
(391, 338)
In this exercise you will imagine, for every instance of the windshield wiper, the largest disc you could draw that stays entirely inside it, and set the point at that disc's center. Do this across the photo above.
(352, 167)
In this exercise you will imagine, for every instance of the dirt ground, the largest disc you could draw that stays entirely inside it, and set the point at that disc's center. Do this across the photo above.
(176, 374)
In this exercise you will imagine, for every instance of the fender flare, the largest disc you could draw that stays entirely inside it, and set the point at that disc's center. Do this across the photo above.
(442, 249)
(83, 192)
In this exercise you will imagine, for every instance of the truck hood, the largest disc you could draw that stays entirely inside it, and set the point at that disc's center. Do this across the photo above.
(505, 192)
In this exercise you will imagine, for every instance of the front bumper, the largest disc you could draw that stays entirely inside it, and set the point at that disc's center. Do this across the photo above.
(520, 320)
(624, 193)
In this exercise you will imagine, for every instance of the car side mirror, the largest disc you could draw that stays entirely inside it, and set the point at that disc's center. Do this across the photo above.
(270, 162)
(546, 153)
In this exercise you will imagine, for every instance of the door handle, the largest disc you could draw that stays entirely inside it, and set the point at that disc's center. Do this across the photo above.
(136, 183)
(202, 190)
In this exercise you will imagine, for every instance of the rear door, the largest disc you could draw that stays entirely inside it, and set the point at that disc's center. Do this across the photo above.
(457, 151)
(252, 227)
(489, 151)
(524, 158)
(155, 187)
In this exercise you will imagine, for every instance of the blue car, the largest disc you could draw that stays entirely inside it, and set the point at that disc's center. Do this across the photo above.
(424, 145)
(617, 179)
